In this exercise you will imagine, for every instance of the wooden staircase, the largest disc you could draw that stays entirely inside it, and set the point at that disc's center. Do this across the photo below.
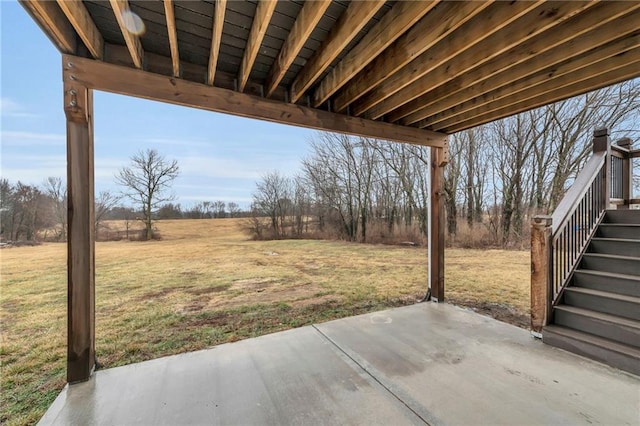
(598, 314)
(585, 261)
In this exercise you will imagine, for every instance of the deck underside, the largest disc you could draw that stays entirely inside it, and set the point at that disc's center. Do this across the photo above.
(427, 363)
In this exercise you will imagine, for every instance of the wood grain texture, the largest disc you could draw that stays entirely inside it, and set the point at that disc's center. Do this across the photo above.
(261, 20)
(437, 220)
(132, 82)
(53, 22)
(435, 26)
(305, 23)
(122, 11)
(540, 272)
(594, 27)
(220, 7)
(568, 69)
(79, 17)
(402, 16)
(345, 29)
(468, 38)
(631, 70)
(603, 73)
(81, 238)
(173, 36)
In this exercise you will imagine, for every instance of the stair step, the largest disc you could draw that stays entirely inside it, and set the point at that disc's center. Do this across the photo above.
(617, 246)
(603, 301)
(607, 281)
(612, 327)
(597, 348)
(622, 216)
(619, 230)
(627, 265)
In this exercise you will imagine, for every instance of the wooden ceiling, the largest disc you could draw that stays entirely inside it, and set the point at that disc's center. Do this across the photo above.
(441, 66)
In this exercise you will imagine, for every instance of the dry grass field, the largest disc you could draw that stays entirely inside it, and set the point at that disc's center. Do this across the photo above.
(205, 283)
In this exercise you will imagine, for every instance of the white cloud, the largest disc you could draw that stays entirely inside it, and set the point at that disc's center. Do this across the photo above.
(217, 167)
(177, 142)
(11, 108)
(33, 169)
(24, 138)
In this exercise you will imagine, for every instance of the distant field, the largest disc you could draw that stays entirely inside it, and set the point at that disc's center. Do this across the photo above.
(205, 283)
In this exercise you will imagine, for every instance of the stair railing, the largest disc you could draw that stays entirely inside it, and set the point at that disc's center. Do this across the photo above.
(558, 241)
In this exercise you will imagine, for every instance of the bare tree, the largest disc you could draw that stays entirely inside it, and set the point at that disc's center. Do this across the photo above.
(273, 200)
(105, 202)
(147, 182)
(218, 209)
(451, 185)
(7, 209)
(57, 192)
(234, 209)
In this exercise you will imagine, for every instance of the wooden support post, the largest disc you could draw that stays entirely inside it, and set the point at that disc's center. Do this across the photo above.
(627, 175)
(78, 107)
(436, 231)
(541, 264)
(602, 142)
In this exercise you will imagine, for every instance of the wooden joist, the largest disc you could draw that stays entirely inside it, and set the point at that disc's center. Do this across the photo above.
(305, 23)
(173, 36)
(53, 22)
(556, 90)
(124, 16)
(128, 81)
(441, 67)
(345, 29)
(79, 17)
(468, 39)
(402, 16)
(220, 6)
(585, 31)
(568, 69)
(436, 25)
(261, 20)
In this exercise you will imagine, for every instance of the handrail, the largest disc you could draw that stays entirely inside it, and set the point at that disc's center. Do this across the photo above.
(576, 193)
(575, 220)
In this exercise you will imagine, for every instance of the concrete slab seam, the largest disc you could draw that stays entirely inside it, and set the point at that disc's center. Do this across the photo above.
(385, 386)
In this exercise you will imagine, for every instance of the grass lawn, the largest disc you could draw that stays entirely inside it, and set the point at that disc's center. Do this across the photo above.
(204, 284)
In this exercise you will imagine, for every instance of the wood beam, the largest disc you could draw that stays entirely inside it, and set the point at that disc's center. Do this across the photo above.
(53, 22)
(173, 36)
(345, 29)
(402, 16)
(78, 107)
(305, 23)
(123, 14)
(79, 17)
(541, 266)
(128, 81)
(437, 222)
(261, 20)
(554, 71)
(220, 7)
(556, 91)
(532, 55)
(468, 38)
(445, 18)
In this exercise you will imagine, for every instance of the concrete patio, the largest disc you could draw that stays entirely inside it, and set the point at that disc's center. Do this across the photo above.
(426, 363)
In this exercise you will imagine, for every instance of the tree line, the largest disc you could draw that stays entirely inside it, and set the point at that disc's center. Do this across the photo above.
(34, 213)
(499, 176)
(39, 212)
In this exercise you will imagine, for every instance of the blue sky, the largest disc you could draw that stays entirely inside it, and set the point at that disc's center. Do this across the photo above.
(220, 156)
